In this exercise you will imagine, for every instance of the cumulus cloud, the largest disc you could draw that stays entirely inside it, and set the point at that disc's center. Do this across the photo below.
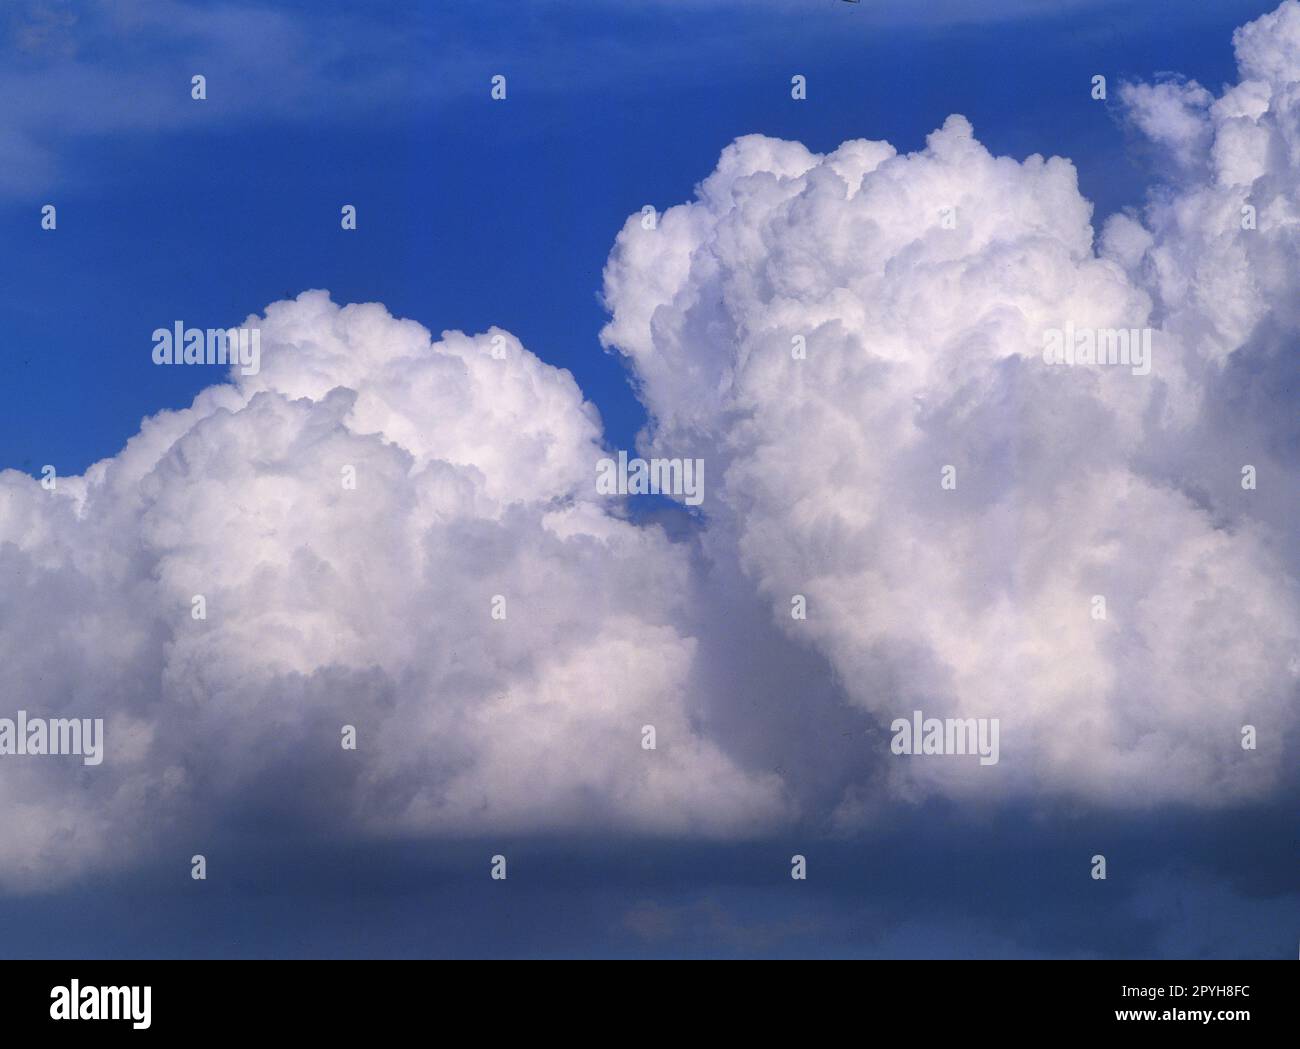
(371, 607)
(924, 350)
(922, 285)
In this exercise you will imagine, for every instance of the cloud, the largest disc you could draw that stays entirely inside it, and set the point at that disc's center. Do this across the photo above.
(1172, 114)
(101, 69)
(372, 607)
(85, 71)
(924, 349)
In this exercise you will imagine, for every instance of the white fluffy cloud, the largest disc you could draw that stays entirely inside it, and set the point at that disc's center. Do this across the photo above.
(475, 477)
(328, 606)
(924, 349)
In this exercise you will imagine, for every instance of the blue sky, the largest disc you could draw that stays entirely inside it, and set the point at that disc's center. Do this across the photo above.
(474, 213)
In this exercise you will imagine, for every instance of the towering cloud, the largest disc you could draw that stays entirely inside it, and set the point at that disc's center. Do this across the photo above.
(923, 287)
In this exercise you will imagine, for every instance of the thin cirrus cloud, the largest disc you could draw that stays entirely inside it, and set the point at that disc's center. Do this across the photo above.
(77, 72)
(475, 478)
(87, 71)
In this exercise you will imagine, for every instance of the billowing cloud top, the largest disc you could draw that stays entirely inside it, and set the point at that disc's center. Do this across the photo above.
(922, 287)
